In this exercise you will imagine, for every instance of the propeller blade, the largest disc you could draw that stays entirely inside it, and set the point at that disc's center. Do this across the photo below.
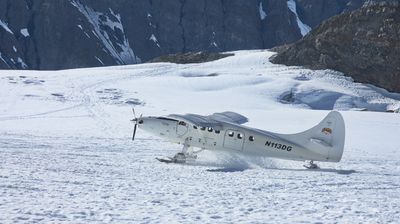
(134, 132)
(133, 111)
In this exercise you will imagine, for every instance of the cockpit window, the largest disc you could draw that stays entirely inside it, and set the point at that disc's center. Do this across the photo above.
(217, 131)
(210, 129)
(203, 128)
(194, 126)
(182, 123)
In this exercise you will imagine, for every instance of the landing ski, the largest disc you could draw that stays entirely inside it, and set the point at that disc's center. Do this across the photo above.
(167, 160)
(311, 165)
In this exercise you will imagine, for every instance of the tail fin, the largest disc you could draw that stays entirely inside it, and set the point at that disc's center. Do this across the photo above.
(326, 138)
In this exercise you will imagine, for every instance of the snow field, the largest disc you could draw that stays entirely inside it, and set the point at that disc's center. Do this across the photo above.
(66, 154)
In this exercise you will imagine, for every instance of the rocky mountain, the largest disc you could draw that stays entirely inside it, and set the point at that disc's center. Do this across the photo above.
(364, 44)
(48, 34)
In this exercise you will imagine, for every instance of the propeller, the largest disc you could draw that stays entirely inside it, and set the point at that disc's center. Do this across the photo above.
(136, 123)
(135, 119)
(134, 131)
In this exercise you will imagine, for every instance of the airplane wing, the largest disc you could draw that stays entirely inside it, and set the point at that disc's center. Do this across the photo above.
(214, 121)
(230, 117)
(198, 120)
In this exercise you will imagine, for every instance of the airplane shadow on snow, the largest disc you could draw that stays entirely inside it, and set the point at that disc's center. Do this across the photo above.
(342, 172)
(240, 169)
(243, 167)
(228, 169)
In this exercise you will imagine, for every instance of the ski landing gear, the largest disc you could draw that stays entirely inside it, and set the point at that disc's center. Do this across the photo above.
(186, 155)
(311, 165)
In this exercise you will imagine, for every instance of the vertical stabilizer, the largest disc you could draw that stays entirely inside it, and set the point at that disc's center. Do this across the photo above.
(326, 139)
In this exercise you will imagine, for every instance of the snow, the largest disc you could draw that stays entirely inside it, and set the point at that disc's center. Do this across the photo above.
(213, 41)
(99, 60)
(25, 32)
(5, 26)
(261, 12)
(154, 39)
(67, 156)
(120, 50)
(5, 62)
(304, 28)
(22, 63)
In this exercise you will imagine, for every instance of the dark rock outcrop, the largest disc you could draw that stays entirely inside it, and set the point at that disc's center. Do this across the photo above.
(364, 44)
(191, 57)
(48, 34)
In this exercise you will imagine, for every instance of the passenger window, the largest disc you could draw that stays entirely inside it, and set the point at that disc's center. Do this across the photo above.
(195, 127)
(217, 131)
(231, 134)
(239, 136)
(251, 138)
(203, 128)
(210, 129)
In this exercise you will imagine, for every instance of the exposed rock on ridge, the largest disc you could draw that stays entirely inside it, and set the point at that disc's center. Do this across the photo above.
(364, 44)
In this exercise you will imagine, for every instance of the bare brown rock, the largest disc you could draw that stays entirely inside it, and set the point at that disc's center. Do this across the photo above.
(364, 44)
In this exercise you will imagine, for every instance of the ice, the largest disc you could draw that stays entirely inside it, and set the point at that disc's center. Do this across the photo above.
(304, 28)
(67, 157)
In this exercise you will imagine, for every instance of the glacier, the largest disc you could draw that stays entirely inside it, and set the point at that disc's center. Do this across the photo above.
(67, 157)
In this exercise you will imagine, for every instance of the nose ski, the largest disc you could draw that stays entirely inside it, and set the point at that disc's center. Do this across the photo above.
(178, 158)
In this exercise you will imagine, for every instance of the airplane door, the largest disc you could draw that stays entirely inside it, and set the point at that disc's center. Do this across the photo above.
(182, 128)
(234, 140)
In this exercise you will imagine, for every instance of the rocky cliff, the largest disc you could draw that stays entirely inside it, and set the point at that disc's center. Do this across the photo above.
(48, 34)
(364, 44)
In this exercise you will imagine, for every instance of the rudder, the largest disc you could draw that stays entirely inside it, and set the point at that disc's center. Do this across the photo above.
(326, 139)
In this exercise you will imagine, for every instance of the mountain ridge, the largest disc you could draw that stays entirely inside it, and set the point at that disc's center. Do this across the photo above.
(52, 35)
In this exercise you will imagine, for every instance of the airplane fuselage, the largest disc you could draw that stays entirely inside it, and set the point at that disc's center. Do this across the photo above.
(231, 137)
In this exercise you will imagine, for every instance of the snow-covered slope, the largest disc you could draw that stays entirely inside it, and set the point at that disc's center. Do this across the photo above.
(66, 153)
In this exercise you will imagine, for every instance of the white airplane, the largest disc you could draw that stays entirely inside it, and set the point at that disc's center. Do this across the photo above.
(224, 131)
